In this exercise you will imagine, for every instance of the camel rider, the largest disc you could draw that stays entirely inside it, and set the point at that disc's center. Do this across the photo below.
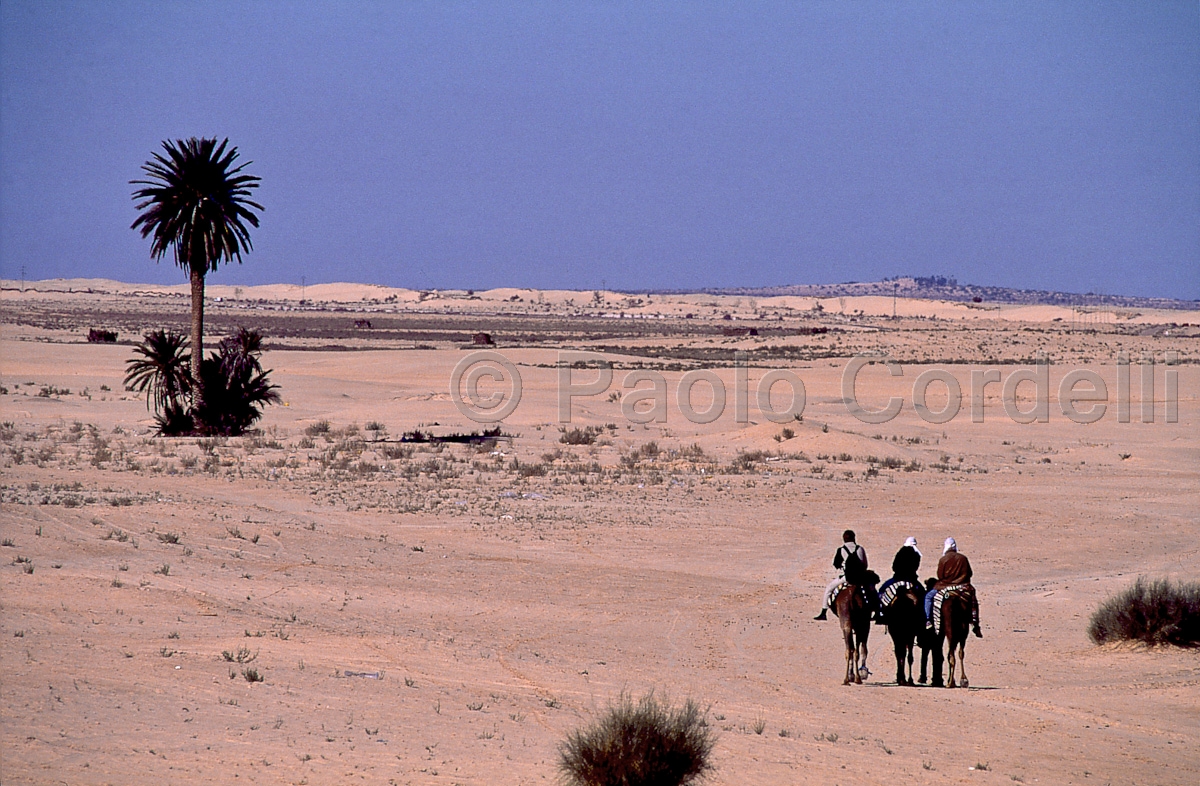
(905, 565)
(954, 570)
(850, 571)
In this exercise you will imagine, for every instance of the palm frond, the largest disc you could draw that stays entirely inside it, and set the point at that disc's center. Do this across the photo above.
(161, 371)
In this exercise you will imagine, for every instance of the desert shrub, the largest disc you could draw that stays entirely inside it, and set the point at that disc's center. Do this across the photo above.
(101, 336)
(1154, 612)
(397, 451)
(531, 470)
(746, 460)
(580, 436)
(648, 743)
(317, 429)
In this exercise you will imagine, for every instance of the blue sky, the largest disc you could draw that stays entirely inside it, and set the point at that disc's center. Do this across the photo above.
(563, 144)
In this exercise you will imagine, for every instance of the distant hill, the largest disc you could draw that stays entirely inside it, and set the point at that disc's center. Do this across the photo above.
(942, 288)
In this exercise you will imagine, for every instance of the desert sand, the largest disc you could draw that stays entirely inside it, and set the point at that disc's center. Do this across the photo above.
(447, 614)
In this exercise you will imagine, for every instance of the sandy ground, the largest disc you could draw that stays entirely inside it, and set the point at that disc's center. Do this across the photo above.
(448, 614)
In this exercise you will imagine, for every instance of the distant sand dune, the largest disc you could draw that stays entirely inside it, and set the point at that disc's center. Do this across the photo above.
(614, 304)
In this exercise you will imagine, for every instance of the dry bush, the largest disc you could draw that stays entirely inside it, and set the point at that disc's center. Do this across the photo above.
(580, 436)
(1157, 612)
(648, 743)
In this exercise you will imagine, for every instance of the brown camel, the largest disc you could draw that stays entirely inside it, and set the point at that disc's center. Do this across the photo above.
(956, 625)
(855, 618)
(905, 617)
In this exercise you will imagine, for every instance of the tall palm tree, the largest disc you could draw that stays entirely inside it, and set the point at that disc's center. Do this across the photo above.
(195, 203)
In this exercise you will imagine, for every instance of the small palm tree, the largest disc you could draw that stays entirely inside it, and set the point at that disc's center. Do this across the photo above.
(162, 370)
(197, 203)
(233, 386)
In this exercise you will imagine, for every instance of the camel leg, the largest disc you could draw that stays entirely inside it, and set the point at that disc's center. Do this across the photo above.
(900, 650)
(851, 666)
(939, 660)
(862, 662)
(953, 661)
(962, 663)
(909, 653)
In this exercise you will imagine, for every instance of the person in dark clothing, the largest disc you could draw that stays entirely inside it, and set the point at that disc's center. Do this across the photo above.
(851, 564)
(905, 565)
(907, 562)
(849, 570)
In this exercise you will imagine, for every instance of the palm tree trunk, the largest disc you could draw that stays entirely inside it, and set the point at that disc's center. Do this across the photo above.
(197, 323)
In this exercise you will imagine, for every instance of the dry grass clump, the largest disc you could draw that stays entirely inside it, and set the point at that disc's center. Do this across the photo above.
(746, 461)
(648, 743)
(1156, 613)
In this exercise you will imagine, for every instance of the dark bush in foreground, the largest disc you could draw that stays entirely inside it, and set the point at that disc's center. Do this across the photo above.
(645, 744)
(1156, 612)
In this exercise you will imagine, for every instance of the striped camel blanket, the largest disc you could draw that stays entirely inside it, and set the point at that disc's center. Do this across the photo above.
(832, 596)
(966, 590)
(890, 592)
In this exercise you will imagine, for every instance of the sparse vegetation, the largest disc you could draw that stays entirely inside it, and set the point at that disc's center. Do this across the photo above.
(1154, 612)
(642, 743)
(243, 655)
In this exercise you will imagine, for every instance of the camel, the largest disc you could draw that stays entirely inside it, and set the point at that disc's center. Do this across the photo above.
(855, 618)
(956, 625)
(905, 621)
